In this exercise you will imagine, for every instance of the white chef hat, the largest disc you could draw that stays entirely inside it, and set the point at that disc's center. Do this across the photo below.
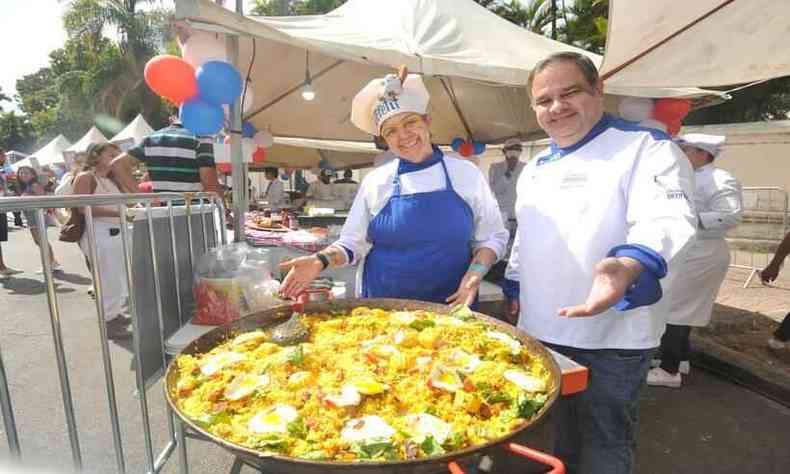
(710, 143)
(386, 96)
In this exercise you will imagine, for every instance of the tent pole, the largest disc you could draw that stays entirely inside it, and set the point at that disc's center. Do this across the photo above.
(457, 108)
(239, 174)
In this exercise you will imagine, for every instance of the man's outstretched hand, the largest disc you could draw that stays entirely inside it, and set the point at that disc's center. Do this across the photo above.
(613, 276)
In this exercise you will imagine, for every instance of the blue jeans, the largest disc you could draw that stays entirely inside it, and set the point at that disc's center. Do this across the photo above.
(595, 430)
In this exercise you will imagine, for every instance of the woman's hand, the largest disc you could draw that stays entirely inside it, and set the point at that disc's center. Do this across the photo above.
(467, 290)
(303, 270)
(512, 307)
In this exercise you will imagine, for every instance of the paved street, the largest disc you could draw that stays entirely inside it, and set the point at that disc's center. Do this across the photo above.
(710, 425)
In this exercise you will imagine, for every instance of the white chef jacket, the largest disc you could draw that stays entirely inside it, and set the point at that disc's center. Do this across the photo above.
(274, 192)
(621, 184)
(718, 202)
(467, 181)
(504, 187)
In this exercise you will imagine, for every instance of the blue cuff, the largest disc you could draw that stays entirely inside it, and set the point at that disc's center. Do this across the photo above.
(646, 290)
(511, 288)
(349, 253)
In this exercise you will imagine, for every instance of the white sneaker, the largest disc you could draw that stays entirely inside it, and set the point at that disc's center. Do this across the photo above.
(776, 344)
(684, 367)
(659, 377)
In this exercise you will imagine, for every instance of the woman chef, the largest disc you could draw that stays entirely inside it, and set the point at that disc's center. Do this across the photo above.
(718, 202)
(425, 225)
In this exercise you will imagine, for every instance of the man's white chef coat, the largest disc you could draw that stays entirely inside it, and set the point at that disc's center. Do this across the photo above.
(274, 192)
(622, 184)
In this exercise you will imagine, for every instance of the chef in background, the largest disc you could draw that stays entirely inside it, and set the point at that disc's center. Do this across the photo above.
(719, 204)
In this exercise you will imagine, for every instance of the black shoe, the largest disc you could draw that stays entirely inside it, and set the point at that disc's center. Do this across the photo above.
(118, 330)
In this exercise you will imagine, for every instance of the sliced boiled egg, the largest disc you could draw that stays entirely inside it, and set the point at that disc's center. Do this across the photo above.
(406, 337)
(299, 379)
(245, 385)
(448, 321)
(423, 425)
(446, 379)
(367, 385)
(254, 336)
(514, 345)
(217, 362)
(347, 397)
(464, 361)
(525, 381)
(383, 351)
(404, 317)
(273, 420)
(423, 361)
(366, 428)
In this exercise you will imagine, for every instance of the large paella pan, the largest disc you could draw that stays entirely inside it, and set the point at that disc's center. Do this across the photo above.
(380, 385)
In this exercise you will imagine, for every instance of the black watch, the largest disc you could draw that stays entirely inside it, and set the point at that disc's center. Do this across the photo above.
(324, 260)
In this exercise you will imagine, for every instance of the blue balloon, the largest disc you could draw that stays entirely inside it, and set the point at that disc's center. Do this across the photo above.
(456, 143)
(248, 130)
(201, 117)
(218, 82)
(480, 148)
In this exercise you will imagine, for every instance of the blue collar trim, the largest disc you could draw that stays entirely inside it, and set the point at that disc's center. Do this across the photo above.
(598, 128)
(407, 166)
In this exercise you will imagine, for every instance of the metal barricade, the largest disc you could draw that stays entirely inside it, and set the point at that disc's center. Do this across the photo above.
(765, 223)
(39, 204)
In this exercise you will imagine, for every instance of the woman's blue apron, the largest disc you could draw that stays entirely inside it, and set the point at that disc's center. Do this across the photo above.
(421, 244)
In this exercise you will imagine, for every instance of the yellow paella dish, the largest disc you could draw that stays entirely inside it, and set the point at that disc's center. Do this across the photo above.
(369, 385)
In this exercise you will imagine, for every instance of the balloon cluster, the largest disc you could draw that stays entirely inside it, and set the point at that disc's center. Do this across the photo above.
(663, 114)
(259, 140)
(467, 149)
(199, 93)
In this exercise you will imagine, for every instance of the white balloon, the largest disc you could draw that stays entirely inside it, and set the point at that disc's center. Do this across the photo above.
(653, 123)
(202, 47)
(264, 139)
(635, 109)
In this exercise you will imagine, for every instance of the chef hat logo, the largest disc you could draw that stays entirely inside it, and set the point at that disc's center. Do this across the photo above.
(384, 97)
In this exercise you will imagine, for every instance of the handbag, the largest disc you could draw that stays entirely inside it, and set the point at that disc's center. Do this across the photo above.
(74, 227)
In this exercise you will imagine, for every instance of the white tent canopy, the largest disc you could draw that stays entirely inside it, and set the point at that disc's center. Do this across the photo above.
(50, 154)
(475, 65)
(702, 43)
(94, 136)
(132, 133)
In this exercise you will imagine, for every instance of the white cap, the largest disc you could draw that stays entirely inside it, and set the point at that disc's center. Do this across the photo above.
(710, 143)
(386, 96)
(511, 143)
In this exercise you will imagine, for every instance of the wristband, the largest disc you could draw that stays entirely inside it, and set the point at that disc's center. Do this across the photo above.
(479, 268)
(323, 259)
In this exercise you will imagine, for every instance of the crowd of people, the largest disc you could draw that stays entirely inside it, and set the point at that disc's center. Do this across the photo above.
(426, 224)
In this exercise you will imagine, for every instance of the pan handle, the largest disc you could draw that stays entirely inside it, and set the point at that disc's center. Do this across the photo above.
(455, 468)
(557, 466)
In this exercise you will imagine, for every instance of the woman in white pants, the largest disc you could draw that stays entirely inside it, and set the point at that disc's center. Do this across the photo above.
(109, 246)
(718, 203)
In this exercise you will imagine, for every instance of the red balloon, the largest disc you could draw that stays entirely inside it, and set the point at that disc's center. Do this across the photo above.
(466, 149)
(224, 168)
(671, 110)
(674, 127)
(259, 156)
(171, 77)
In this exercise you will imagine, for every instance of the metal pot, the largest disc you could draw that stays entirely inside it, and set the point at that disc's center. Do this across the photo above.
(451, 461)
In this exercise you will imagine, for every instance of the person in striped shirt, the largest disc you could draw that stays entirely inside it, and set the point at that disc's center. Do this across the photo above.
(176, 159)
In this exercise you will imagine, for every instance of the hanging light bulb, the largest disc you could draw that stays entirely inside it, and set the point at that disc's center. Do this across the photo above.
(308, 93)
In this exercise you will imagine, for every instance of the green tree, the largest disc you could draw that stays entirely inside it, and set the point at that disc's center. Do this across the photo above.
(16, 132)
(584, 24)
(533, 15)
(294, 7)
